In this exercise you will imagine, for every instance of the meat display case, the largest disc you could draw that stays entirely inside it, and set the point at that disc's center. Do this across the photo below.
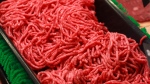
(113, 18)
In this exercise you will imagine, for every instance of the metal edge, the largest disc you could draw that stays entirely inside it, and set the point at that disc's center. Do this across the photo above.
(21, 60)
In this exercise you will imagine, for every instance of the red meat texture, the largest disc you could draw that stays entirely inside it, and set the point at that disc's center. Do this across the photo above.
(136, 9)
(63, 42)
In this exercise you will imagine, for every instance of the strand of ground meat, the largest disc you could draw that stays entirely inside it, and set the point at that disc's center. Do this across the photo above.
(64, 43)
(111, 58)
(37, 33)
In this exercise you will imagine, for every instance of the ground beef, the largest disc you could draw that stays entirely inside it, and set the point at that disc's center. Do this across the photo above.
(62, 41)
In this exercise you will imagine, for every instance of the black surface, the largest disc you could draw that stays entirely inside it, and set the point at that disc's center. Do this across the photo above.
(116, 21)
(1, 0)
(146, 48)
(3, 77)
(145, 2)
